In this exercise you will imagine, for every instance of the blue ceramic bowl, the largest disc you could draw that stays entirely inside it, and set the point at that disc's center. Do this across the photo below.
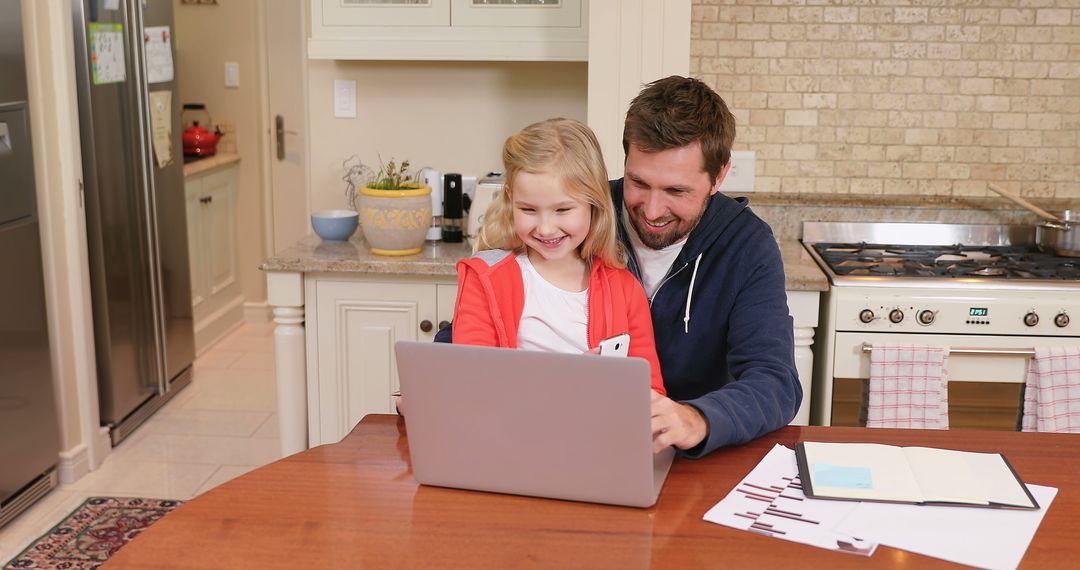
(334, 225)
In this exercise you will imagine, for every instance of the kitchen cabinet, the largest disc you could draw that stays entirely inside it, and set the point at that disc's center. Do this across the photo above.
(479, 30)
(216, 298)
(356, 320)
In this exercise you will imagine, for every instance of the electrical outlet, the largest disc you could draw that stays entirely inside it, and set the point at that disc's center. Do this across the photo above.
(345, 98)
(232, 74)
(740, 179)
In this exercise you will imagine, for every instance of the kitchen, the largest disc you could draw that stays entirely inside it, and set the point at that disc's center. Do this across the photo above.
(854, 113)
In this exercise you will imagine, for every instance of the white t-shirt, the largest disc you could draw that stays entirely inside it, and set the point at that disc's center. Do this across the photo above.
(553, 320)
(654, 263)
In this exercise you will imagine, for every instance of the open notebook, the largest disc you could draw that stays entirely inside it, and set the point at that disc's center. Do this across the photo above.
(920, 475)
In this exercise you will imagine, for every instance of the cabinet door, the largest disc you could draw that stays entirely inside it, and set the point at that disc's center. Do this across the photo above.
(447, 298)
(517, 13)
(357, 326)
(384, 12)
(219, 197)
(196, 242)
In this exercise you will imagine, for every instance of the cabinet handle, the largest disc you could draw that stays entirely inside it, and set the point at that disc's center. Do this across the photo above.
(442, 324)
(425, 325)
(206, 199)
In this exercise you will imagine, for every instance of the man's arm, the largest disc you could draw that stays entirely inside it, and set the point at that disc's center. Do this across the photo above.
(766, 392)
(446, 334)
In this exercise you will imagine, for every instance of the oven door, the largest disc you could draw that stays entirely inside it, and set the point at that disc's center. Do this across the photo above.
(985, 390)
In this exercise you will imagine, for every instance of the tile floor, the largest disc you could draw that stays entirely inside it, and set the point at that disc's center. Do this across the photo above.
(221, 426)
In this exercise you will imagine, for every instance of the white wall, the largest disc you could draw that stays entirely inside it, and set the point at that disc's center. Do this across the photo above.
(452, 116)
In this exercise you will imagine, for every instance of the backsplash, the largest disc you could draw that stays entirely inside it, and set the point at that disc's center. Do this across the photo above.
(917, 98)
(229, 143)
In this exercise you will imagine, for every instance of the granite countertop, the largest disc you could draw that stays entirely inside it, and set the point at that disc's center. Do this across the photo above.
(312, 255)
(204, 164)
(801, 272)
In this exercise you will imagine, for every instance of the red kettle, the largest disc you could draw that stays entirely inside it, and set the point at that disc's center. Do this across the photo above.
(197, 140)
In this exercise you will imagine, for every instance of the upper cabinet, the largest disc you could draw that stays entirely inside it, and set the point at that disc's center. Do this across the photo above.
(458, 30)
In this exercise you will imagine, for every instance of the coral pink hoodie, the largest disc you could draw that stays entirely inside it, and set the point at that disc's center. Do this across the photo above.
(491, 297)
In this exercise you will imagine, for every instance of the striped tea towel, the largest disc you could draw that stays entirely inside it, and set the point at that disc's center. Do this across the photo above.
(1052, 391)
(908, 387)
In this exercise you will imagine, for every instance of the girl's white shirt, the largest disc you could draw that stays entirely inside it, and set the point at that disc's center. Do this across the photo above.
(553, 319)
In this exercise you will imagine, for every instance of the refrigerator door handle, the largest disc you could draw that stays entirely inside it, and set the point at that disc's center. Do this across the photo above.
(149, 200)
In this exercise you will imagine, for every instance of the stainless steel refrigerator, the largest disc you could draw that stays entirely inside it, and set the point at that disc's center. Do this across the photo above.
(29, 429)
(135, 208)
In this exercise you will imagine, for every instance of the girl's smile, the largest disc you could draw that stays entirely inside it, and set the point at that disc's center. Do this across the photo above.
(547, 219)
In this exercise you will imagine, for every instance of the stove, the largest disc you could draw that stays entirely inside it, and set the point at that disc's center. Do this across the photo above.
(985, 292)
(957, 260)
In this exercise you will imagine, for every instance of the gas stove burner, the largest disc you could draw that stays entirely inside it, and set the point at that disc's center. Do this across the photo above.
(945, 261)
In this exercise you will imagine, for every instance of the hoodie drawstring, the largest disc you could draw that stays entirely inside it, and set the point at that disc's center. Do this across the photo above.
(690, 294)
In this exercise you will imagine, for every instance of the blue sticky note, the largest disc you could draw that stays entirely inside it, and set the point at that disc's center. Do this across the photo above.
(826, 475)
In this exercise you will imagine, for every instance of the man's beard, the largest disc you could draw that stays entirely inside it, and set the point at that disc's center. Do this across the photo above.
(677, 229)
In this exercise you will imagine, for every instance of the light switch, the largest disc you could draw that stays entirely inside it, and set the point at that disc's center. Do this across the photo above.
(232, 74)
(345, 98)
(740, 179)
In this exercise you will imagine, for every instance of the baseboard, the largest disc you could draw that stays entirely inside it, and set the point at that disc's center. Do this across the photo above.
(74, 464)
(258, 312)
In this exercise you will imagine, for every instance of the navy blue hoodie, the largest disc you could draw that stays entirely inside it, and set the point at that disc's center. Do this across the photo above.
(732, 355)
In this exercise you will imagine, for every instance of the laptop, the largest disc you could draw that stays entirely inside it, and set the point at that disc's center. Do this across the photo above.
(562, 426)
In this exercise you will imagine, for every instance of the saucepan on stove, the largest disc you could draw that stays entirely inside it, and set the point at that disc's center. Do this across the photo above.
(1058, 233)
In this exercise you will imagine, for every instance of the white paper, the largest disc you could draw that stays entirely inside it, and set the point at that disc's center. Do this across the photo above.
(161, 126)
(112, 4)
(159, 61)
(988, 538)
(770, 501)
(107, 53)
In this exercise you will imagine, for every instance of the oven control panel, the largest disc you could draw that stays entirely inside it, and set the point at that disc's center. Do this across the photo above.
(1044, 313)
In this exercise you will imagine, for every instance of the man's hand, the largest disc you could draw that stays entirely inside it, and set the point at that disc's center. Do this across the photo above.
(681, 425)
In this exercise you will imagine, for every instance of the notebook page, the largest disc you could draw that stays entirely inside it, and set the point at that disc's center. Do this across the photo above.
(964, 476)
(861, 471)
(946, 475)
(1000, 482)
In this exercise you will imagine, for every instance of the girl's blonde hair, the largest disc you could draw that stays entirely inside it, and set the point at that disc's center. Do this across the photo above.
(568, 150)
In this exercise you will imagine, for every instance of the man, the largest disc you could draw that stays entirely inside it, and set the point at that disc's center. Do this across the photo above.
(712, 271)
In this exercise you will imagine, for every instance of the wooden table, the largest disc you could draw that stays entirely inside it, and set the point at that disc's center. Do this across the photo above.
(355, 504)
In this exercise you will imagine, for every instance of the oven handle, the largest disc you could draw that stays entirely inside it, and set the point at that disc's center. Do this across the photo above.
(868, 348)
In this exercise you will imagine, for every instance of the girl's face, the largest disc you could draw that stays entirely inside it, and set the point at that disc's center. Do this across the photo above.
(547, 219)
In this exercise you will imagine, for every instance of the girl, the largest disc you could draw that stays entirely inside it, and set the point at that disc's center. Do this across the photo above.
(550, 273)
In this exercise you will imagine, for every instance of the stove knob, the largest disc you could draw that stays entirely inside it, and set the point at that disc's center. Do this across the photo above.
(896, 315)
(1062, 320)
(1031, 319)
(926, 317)
(866, 315)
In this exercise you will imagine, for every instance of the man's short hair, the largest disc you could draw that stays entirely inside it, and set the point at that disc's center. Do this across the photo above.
(676, 111)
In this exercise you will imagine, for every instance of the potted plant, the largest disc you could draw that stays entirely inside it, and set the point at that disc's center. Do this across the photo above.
(395, 210)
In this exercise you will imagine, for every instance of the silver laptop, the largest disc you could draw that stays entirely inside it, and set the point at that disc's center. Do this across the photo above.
(564, 426)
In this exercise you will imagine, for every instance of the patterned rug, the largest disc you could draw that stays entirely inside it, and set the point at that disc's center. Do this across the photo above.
(92, 533)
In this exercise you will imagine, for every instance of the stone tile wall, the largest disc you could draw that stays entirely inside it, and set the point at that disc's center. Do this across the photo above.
(900, 97)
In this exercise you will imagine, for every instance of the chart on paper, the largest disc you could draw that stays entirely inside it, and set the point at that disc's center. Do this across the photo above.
(770, 501)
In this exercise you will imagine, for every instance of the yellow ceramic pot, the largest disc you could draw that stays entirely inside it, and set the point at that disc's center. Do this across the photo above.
(395, 222)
